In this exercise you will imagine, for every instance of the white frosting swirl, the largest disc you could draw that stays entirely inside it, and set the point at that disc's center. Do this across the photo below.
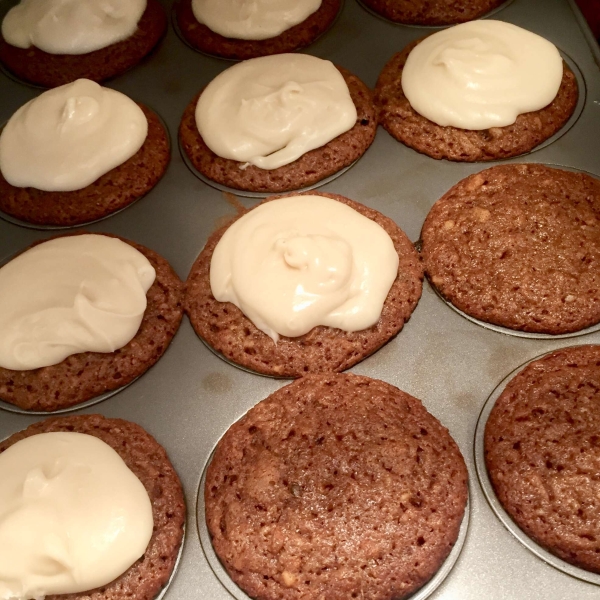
(66, 138)
(481, 74)
(71, 26)
(73, 517)
(269, 111)
(301, 261)
(69, 295)
(252, 19)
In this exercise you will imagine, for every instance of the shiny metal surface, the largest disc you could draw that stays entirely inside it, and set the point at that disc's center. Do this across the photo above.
(190, 397)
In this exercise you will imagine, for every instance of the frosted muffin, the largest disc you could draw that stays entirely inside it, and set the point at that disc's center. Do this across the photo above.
(100, 474)
(303, 311)
(78, 153)
(243, 30)
(109, 311)
(53, 42)
(479, 91)
(327, 455)
(278, 123)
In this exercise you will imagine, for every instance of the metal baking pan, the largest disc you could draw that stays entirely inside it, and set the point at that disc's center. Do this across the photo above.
(191, 396)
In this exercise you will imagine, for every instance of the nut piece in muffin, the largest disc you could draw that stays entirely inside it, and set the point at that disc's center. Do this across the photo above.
(302, 249)
(518, 246)
(335, 486)
(94, 40)
(145, 458)
(266, 28)
(542, 453)
(88, 308)
(482, 90)
(278, 123)
(78, 153)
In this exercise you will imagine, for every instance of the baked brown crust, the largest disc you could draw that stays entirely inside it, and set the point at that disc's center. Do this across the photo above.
(409, 127)
(111, 192)
(226, 329)
(150, 463)
(431, 12)
(542, 452)
(519, 246)
(309, 169)
(303, 34)
(51, 70)
(337, 487)
(88, 374)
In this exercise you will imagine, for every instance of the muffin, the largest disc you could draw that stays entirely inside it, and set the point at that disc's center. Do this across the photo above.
(542, 452)
(323, 456)
(57, 198)
(518, 246)
(50, 70)
(308, 169)
(324, 348)
(148, 461)
(302, 34)
(503, 133)
(425, 12)
(84, 375)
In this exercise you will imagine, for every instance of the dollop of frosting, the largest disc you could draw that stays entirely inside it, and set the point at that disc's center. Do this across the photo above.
(69, 295)
(73, 516)
(71, 26)
(301, 261)
(481, 74)
(252, 19)
(67, 137)
(269, 111)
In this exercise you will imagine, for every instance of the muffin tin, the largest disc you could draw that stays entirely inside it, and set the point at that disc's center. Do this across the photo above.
(191, 396)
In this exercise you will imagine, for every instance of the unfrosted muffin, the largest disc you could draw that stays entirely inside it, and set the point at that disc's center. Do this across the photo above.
(335, 486)
(518, 246)
(542, 452)
(50, 70)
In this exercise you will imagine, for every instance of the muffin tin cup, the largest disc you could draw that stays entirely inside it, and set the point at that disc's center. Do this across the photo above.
(219, 570)
(493, 500)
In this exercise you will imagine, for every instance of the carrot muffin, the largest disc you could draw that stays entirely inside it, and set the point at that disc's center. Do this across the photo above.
(148, 463)
(542, 452)
(426, 12)
(320, 253)
(74, 44)
(227, 31)
(327, 455)
(524, 92)
(96, 275)
(60, 167)
(277, 146)
(518, 246)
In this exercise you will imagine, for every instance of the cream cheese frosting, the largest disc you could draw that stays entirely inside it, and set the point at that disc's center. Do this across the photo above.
(481, 74)
(69, 295)
(301, 261)
(71, 26)
(73, 516)
(68, 137)
(269, 111)
(252, 19)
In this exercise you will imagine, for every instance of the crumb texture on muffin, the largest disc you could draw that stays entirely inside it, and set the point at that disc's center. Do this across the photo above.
(225, 328)
(519, 246)
(542, 452)
(335, 486)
